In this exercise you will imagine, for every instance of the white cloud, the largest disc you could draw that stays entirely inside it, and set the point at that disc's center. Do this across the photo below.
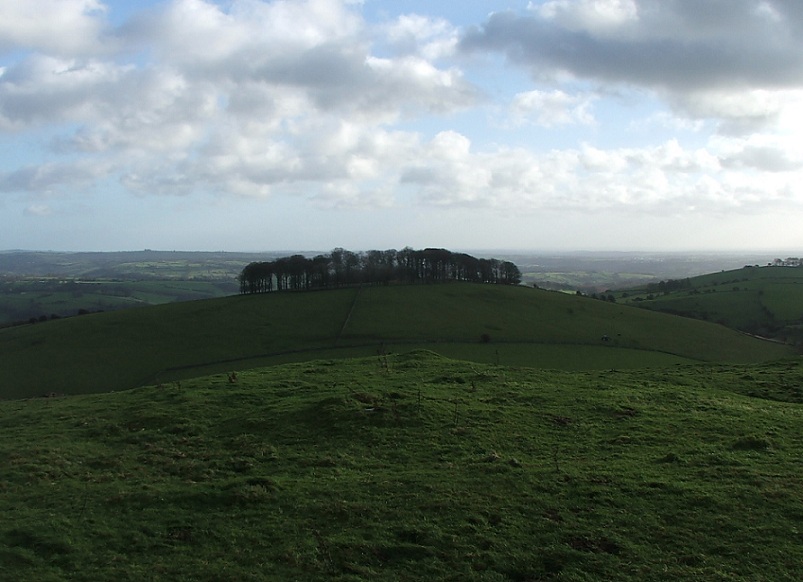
(39, 210)
(250, 35)
(550, 108)
(239, 100)
(351, 196)
(413, 34)
(59, 27)
(665, 179)
(739, 111)
(600, 17)
(51, 178)
(44, 89)
(765, 159)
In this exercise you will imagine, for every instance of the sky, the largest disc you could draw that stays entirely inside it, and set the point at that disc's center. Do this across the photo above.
(257, 125)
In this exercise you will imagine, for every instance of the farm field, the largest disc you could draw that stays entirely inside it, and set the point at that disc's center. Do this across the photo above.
(411, 467)
(484, 323)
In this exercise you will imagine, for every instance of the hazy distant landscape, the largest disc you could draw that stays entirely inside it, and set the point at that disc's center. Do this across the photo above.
(36, 285)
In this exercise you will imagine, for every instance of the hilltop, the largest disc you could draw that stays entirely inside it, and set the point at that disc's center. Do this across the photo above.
(483, 323)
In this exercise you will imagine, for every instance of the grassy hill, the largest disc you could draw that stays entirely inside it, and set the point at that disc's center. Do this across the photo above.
(523, 326)
(412, 467)
(766, 301)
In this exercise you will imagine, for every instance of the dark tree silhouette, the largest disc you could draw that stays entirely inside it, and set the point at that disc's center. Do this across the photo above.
(341, 268)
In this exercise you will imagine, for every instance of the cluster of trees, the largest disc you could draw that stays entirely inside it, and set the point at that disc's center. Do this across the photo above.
(602, 296)
(669, 285)
(341, 268)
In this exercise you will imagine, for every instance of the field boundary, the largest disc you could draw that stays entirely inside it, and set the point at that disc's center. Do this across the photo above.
(348, 316)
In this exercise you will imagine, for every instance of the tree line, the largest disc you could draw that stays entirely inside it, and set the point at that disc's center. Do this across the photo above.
(341, 268)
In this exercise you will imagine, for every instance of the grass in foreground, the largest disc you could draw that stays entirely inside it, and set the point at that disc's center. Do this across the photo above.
(411, 467)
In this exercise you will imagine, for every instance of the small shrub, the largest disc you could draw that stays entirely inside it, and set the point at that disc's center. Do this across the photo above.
(751, 443)
(669, 458)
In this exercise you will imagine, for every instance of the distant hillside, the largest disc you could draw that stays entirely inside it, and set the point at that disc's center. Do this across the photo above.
(765, 301)
(38, 286)
(484, 323)
(37, 299)
(594, 272)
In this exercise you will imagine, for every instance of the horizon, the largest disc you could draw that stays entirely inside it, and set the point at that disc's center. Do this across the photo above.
(506, 124)
(776, 253)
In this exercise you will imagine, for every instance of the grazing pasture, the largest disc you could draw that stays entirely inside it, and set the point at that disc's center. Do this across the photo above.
(411, 467)
(766, 301)
(484, 323)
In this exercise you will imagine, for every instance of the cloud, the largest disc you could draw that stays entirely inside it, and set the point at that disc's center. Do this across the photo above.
(43, 89)
(38, 210)
(306, 99)
(414, 34)
(56, 27)
(736, 65)
(550, 108)
(51, 177)
(602, 18)
(662, 180)
(327, 158)
(240, 98)
(670, 47)
(765, 159)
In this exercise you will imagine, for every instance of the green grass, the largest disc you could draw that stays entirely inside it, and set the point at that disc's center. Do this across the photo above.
(526, 316)
(113, 351)
(411, 467)
(527, 327)
(767, 301)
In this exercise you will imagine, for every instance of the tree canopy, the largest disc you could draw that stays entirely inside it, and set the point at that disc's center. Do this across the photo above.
(342, 268)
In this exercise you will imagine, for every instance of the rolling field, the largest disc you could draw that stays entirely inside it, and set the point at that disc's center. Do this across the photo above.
(411, 467)
(766, 301)
(326, 436)
(520, 326)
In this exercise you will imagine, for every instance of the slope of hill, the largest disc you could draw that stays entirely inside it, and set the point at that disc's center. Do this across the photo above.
(485, 323)
(766, 301)
(415, 468)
